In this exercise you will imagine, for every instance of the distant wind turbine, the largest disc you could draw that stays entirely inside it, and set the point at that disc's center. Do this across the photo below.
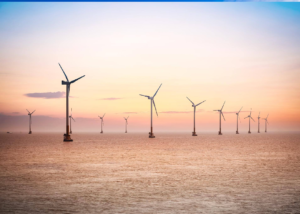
(151, 135)
(249, 116)
(102, 123)
(126, 122)
(266, 122)
(67, 136)
(258, 123)
(71, 117)
(30, 132)
(194, 132)
(220, 111)
(237, 120)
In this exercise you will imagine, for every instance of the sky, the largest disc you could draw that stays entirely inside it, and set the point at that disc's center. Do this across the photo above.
(247, 54)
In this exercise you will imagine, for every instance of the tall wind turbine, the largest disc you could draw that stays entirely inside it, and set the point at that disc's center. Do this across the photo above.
(258, 122)
(249, 116)
(101, 118)
(237, 120)
(221, 112)
(67, 136)
(151, 135)
(126, 122)
(194, 132)
(266, 122)
(71, 117)
(30, 132)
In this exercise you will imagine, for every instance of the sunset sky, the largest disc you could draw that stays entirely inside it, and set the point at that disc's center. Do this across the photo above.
(247, 54)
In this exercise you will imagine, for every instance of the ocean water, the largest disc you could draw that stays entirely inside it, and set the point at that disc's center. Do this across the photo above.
(130, 173)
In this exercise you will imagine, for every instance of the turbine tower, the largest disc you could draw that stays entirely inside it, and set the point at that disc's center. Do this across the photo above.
(237, 120)
(249, 116)
(101, 118)
(67, 136)
(258, 122)
(221, 112)
(30, 132)
(126, 122)
(194, 132)
(71, 117)
(151, 135)
(266, 122)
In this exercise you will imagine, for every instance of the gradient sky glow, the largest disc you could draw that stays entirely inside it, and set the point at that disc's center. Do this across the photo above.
(245, 53)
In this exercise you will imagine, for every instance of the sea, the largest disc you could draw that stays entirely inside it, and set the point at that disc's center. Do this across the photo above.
(130, 173)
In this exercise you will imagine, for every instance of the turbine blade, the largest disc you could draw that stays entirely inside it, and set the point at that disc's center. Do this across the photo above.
(144, 95)
(64, 72)
(155, 107)
(240, 110)
(103, 115)
(252, 119)
(77, 79)
(267, 116)
(124, 118)
(127, 117)
(190, 100)
(157, 90)
(33, 112)
(223, 116)
(239, 118)
(73, 119)
(201, 102)
(215, 110)
(246, 117)
(259, 114)
(28, 111)
(223, 106)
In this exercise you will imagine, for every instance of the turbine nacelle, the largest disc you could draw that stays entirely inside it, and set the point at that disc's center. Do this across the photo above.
(65, 83)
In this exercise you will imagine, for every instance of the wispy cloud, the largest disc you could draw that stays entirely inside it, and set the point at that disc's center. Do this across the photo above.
(47, 95)
(111, 98)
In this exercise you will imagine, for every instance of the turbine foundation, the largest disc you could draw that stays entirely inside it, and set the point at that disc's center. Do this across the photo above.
(237, 132)
(30, 132)
(101, 132)
(151, 135)
(194, 134)
(249, 132)
(67, 138)
(220, 133)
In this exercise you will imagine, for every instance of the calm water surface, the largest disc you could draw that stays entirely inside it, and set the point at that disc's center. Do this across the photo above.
(174, 173)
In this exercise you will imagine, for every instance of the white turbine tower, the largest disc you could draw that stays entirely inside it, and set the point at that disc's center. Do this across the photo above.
(237, 120)
(266, 122)
(67, 136)
(151, 135)
(30, 132)
(102, 123)
(221, 113)
(194, 132)
(71, 117)
(249, 116)
(126, 122)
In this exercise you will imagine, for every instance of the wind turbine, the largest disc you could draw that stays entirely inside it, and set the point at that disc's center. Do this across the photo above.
(151, 135)
(237, 120)
(249, 116)
(67, 136)
(101, 118)
(194, 133)
(258, 122)
(220, 111)
(126, 124)
(266, 122)
(30, 132)
(71, 117)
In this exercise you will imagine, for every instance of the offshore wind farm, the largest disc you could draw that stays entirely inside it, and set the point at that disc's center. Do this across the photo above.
(226, 61)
